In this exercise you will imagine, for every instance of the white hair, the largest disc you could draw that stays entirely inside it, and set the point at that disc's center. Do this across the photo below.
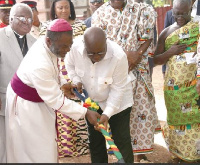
(179, 2)
(19, 5)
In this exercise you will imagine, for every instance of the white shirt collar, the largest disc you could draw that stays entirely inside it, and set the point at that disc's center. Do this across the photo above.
(20, 36)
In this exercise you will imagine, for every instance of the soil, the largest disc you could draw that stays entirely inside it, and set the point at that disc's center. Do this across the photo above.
(160, 154)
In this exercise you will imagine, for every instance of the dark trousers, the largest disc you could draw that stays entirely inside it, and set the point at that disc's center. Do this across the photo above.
(120, 128)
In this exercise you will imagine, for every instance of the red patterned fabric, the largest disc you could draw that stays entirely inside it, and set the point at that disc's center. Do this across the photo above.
(7, 2)
(31, 4)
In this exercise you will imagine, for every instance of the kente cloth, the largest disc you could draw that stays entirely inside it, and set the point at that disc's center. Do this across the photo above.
(72, 135)
(182, 131)
(2, 25)
(130, 27)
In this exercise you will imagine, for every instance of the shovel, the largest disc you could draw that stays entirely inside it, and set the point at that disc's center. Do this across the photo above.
(91, 105)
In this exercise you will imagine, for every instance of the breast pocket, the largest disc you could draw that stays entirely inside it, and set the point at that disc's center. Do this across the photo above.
(104, 83)
(79, 72)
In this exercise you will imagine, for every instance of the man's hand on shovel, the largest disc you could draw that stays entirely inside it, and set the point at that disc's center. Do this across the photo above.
(103, 120)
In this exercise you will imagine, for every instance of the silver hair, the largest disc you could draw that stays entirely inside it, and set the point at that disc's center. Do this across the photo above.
(19, 5)
(179, 2)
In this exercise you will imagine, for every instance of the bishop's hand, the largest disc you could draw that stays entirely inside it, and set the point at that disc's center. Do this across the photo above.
(67, 90)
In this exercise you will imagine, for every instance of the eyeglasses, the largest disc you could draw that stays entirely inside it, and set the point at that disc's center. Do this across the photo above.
(100, 53)
(96, 1)
(24, 19)
(183, 15)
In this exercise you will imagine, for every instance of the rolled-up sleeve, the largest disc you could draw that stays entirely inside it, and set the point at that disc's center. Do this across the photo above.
(70, 66)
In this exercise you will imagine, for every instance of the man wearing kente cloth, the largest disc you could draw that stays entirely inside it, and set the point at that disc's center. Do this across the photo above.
(35, 94)
(5, 7)
(176, 47)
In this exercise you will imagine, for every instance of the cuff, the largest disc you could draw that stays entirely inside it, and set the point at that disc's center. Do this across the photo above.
(108, 112)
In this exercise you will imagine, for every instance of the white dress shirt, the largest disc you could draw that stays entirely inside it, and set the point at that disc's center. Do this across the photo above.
(107, 81)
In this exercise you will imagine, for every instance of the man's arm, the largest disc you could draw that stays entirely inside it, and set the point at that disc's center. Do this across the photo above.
(70, 67)
(118, 87)
(135, 57)
(161, 56)
(117, 90)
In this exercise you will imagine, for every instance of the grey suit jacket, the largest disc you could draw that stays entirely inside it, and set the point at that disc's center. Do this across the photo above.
(10, 58)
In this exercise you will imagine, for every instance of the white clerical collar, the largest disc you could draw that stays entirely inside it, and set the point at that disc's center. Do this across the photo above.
(20, 36)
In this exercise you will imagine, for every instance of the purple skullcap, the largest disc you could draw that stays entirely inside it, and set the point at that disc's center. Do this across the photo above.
(59, 25)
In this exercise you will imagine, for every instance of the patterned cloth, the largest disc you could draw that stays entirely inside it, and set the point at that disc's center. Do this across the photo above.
(182, 133)
(72, 136)
(130, 27)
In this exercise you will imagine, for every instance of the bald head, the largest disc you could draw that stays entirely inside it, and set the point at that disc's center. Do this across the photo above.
(182, 2)
(94, 36)
(95, 43)
(182, 11)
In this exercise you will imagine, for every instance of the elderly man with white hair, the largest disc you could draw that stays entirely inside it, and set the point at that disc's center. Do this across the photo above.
(14, 43)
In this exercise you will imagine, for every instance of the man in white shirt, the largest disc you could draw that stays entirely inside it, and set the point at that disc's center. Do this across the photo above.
(34, 96)
(101, 67)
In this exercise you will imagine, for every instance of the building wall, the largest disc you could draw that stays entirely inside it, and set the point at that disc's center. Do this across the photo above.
(43, 7)
(80, 6)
